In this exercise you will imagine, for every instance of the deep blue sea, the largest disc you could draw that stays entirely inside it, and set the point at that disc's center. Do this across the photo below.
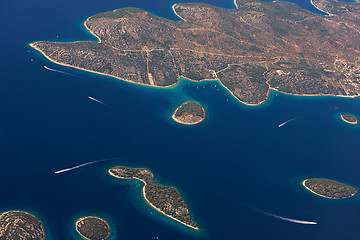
(234, 169)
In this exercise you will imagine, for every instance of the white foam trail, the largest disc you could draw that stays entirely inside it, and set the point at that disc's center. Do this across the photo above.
(83, 165)
(58, 71)
(94, 99)
(98, 101)
(280, 217)
(284, 123)
(290, 219)
(269, 214)
(72, 168)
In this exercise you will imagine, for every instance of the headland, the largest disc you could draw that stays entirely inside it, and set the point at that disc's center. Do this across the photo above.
(329, 188)
(189, 113)
(92, 228)
(164, 199)
(251, 49)
(18, 225)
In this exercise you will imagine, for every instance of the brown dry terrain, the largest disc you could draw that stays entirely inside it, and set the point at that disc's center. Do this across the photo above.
(164, 199)
(329, 188)
(189, 113)
(251, 49)
(93, 228)
(17, 225)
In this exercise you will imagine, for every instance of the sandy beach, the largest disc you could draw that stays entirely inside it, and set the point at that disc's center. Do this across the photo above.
(235, 3)
(353, 123)
(312, 3)
(186, 123)
(313, 95)
(303, 183)
(173, 8)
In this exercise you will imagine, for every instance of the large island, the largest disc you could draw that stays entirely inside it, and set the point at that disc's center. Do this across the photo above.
(164, 199)
(251, 49)
(189, 113)
(329, 188)
(18, 225)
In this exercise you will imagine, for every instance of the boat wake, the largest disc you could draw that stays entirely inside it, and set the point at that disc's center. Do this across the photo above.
(280, 217)
(284, 123)
(58, 71)
(267, 213)
(98, 101)
(83, 165)
(289, 219)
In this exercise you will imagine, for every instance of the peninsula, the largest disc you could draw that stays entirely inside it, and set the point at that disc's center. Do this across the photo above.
(251, 49)
(349, 119)
(164, 199)
(189, 113)
(92, 228)
(329, 188)
(18, 225)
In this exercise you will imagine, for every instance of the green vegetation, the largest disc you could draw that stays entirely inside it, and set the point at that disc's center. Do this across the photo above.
(256, 73)
(16, 225)
(248, 49)
(349, 119)
(190, 107)
(118, 13)
(193, 75)
(189, 113)
(285, 89)
(93, 228)
(165, 199)
(253, 88)
(329, 188)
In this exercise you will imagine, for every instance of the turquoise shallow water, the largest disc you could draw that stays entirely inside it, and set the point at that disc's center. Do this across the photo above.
(230, 168)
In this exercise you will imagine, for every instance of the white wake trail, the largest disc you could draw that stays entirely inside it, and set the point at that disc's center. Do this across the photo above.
(98, 101)
(284, 123)
(94, 99)
(290, 219)
(280, 217)
(58, 71)
(267, 213)
(83, 165)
